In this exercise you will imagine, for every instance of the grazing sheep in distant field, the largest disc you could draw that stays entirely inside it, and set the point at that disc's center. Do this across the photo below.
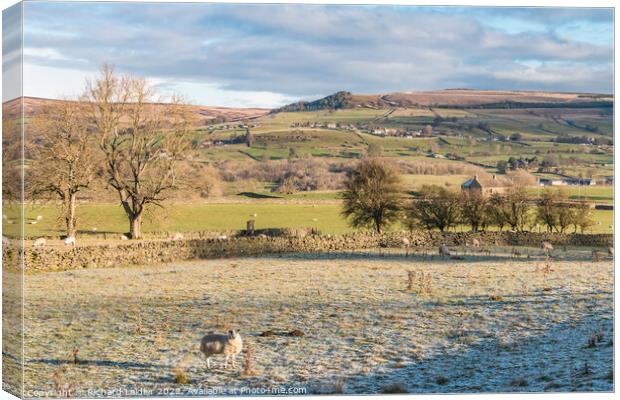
(69, 241)
(32, 222)
(262, 236)
(94, 229)
(229, 345)
(39, 217)
(178, 236)
(222, 237)
(475, 242)
(40, 242)
(124, 237)
(444, 251)
(546, 246)
(405, 242)
(610, 251)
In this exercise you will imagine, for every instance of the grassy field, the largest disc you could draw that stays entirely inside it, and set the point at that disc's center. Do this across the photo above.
(274, 134)
(483, 324)
(317, 210)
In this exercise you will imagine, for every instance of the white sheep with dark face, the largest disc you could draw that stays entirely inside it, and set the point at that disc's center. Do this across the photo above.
(230, 345)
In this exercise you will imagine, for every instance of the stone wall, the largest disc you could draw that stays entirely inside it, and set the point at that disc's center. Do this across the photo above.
(161, 251)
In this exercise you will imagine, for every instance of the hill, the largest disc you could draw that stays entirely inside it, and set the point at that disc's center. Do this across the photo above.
(204, 114)
(453, 98)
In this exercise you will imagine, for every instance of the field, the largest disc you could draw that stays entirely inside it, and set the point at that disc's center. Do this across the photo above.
(483, 324)
(317, 210)
(459, 133)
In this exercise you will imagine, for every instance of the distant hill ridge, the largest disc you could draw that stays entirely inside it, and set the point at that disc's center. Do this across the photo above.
(334, 101)
(453, 98)
(34, 105)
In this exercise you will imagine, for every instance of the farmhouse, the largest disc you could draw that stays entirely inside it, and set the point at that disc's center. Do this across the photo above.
(484, 185)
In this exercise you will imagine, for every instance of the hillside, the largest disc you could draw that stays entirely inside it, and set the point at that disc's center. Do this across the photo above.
(34, 105)
(453, 98)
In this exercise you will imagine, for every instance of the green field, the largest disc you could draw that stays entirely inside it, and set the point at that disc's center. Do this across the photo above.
(471, 134)
(109, 218)
(461, 133)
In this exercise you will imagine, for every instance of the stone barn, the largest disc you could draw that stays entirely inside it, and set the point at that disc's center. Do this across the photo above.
(484, 185)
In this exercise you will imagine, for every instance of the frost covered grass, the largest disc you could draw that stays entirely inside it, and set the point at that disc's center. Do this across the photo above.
(342, 324)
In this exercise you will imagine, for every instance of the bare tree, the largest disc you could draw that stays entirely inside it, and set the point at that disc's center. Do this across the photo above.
(516, 208)
(11, 159)
(436, 208)
(141, 138)
(373, 195)
(546, 209)
(474, 209)
(497, 214)
(64, 163)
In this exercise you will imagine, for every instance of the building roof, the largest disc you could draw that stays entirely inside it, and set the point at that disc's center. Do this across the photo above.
(486, 181)
(471, 183)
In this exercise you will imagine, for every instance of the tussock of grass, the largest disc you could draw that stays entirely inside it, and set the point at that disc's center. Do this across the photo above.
(394, 388)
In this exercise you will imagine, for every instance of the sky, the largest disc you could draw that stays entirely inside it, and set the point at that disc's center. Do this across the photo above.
(242, 55)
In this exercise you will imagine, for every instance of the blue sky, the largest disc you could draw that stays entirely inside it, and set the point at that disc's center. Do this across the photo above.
(269, 55)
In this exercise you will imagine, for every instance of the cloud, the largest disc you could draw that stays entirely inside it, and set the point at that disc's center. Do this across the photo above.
(274, 53)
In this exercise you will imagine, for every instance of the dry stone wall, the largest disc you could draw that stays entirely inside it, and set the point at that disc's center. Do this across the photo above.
(164, 250)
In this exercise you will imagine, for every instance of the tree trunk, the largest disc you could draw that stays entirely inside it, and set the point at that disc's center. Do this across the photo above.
(135, 229)
(70, 204)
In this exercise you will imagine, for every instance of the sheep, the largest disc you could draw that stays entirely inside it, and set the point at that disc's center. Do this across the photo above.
(69, 241)
(40, 242)
(178, 236)
(229, 345)
(222, 237)
(124, 237)
(39, 217)
(405, 242)
(546, 246)
(262, 236)
(475, 242)
(444, 251)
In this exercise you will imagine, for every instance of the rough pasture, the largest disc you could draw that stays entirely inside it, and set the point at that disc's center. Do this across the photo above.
(477, 324)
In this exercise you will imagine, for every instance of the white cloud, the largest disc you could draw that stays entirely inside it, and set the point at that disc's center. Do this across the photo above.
(238, 54)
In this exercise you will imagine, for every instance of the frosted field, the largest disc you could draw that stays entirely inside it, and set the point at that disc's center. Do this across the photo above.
(484, 323)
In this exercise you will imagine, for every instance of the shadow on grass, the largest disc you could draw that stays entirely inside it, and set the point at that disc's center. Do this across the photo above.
(375, 255)
(98, 363)
(551, 360)
(254, 195)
